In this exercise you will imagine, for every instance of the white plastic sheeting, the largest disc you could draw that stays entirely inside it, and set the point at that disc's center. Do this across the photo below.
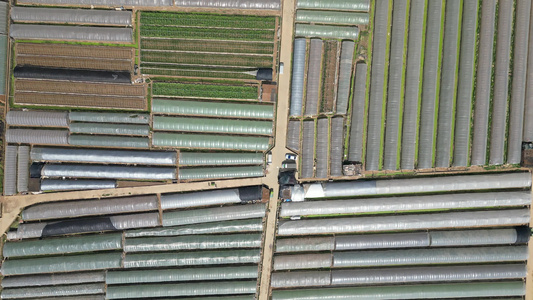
(420, 185)
(293, 135)
(10, 171)
(305, 244)
(205, 198)
(518, 89)
(68, 185)
(121, 222)
(426, 145)
(50, 291)
(240, 4)
(106, 171)
(37, 118)
(193, 242)
(412, 84)
(483, 82)
(184, 289)
(248, 225)
(363, 5)
(297, 83)
(422, 291)
(103, 156)
(336, 153)
(308, 149)
(4, 8)
(465, 84)
(108, 141)
(300, 279)
(322, 141)
(395, 85)
(313, 77)
(212, 125)
(406, 222)
(224, 257)
(23, 168)
(213, 109)
(37, 136)
(175, 275)
(527, 133)
(411, 203)
(53, 264)
(500, 93)
(327, 31)
(90, 207)
(220, 158)
(204, 141)
(355, 148)
(55, 32)
(377, 79)
(111, 129)
(103, 117)
(106, 3)
(87, 243)
(71, 16)
(52, 279)
(303, 261)
(345, 76)
(208, 215)
(220, 172)
(331, 17)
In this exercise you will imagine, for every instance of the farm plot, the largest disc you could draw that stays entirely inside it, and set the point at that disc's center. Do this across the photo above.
(193, 90)
(81, 101)
(65, 87)
(74, 56)
(190, 45)
(329, 75)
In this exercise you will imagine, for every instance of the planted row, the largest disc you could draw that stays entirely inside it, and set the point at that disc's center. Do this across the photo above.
(204, 90)
(207, 20)
(155, 70)
(207, 59)
(207, 33)
(212, 46)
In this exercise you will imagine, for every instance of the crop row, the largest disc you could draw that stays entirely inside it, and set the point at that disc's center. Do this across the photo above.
(207, 59)
(212, 46)
(195, 73)
(72, 100)
(207, 20)
(207, 33)
(75, 62)
(204, 90)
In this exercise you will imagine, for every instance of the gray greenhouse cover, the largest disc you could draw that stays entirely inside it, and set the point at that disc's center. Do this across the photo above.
(37, 136)
(411, 203)
(81, 155)
(194, 242)
(52, 279)
(23, 168)
(405, 222)
(184, 289)
(419, 185)
(305, 244)
(327, 31)
(297, 83)
(196, 258)
(90, 207)
(300, 279)
(248, 225)
(207, 215)
(106, 171)
(111, 129)
(101, 2)
(220, 172)
(37, 118)
(189, 274)
(88, 243)
(242, 4)
(205, 198)
(55, 32)
(103, 117)
(72, 16)
(4, 8)
(121, 222)
(50, 291)
(10, 173)
(109, 141)
(64, 185)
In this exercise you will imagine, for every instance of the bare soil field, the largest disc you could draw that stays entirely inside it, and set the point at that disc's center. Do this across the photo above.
(75, 62)
(212, 46)
(64, 87)
(74, 50)
(89, 101)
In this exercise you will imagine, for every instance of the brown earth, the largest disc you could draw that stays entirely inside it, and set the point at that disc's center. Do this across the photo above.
(92, 101)
(60, 87)
(75, 62)
(75, 50)
(329, 75)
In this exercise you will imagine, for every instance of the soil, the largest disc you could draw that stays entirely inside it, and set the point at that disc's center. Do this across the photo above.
(329, 74)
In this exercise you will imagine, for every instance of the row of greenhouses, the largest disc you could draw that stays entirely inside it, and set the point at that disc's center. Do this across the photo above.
(132, 251)
(441, 92)
(405, 238)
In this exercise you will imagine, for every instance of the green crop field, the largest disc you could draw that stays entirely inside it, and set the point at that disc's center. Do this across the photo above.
(207, 20)
(228, 73)
(214, 59)
(212, 46)
(204, 90)
(207, 33)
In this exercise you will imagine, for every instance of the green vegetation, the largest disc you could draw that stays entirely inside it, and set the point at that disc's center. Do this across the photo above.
(204, 90)
(212, 46)
(207, 20)
(215, 59)
(196, 73)
(207, 33)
